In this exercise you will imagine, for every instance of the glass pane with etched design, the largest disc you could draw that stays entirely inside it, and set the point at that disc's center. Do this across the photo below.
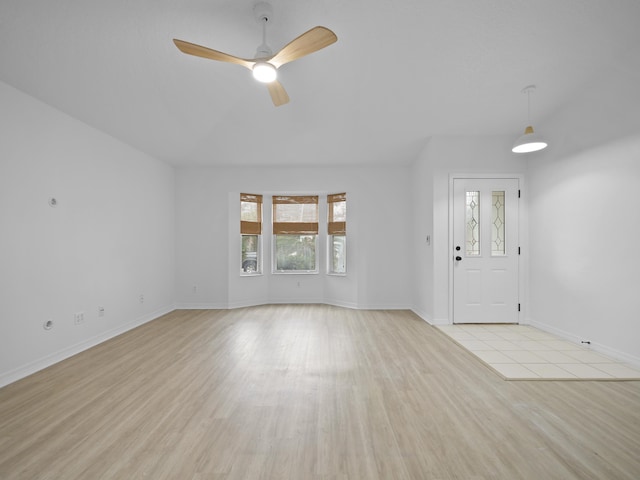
(497, 224)
(472, 236)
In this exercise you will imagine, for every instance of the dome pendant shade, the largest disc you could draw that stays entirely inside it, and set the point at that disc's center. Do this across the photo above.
(529, 142)
(264, 72)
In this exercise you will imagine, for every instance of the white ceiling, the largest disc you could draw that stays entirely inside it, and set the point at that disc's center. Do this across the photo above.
(401, 72)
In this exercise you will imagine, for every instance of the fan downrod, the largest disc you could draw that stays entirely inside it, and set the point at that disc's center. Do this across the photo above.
(263, 12)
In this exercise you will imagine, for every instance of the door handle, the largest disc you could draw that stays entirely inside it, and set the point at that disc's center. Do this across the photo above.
(458, 258)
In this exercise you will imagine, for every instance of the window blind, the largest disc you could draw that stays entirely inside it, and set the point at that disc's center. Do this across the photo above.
(295, 215)
(250, 214)
(337, 206)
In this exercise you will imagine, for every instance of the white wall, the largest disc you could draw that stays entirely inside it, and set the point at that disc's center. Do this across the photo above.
(431, 173)
(584, 220)
(422, 206)
(110, 239)
(208, 245)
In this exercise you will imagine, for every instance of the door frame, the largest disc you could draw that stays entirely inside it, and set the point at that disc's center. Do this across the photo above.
(522, 239)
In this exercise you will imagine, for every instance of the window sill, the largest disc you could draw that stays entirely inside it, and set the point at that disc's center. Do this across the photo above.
(298, 272)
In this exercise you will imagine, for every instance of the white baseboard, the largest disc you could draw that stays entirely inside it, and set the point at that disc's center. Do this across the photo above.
(339, 303)
(382, 306)
(431, 321)
(598, 347)
(296, 301)
(32, 367)
(441, 321)
(201, 306)
(422, 315)
(246, 304)
(288, 301)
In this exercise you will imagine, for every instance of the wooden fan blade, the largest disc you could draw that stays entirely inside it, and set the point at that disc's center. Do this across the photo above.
(278, 94)
(204, 52)
(309, 42)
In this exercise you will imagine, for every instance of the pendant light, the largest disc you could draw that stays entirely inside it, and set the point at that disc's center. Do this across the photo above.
(530, 141)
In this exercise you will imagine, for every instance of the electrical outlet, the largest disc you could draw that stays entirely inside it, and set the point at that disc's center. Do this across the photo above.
(141, 298)
(78, 318)
(100, 311)
(195, 289)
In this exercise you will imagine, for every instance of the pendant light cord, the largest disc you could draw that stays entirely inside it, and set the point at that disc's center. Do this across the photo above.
(528, 90)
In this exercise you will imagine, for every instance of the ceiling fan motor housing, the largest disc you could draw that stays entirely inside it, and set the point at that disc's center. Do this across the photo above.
(263, 51)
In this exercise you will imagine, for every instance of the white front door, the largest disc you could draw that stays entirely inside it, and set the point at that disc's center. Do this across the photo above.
(485, 250)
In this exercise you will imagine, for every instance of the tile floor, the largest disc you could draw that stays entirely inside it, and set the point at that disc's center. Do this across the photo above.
(520, 352)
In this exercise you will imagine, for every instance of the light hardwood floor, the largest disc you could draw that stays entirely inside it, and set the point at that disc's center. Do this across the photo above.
(307, 392)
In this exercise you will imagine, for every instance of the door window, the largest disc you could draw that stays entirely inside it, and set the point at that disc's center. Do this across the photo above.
(472, 237)
(497, 224)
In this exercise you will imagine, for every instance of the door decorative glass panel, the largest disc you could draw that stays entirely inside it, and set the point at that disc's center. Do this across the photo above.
(497, 224)
(472, 240)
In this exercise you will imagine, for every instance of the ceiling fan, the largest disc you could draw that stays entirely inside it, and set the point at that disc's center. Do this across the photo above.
(265, 64)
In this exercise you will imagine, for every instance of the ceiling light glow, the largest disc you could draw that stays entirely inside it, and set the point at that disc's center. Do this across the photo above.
(264, 72)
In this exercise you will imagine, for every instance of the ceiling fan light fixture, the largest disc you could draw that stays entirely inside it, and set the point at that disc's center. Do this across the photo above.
(265, 65)
(264, 72)
(529, 142)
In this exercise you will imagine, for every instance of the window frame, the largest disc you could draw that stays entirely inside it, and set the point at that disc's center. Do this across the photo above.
(299, 228)
(258, 270)
(249, 229)
(330, 247)
(336, 229)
